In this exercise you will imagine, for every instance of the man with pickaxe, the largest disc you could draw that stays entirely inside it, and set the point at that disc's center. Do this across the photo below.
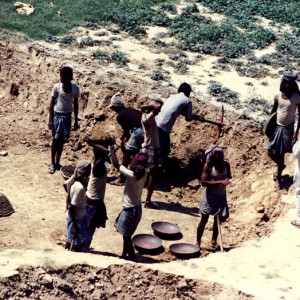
(215, 177)
(175, 105)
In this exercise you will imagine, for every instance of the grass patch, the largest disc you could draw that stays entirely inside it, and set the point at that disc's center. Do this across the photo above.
(117, 57)
(223, 94)
(46, 21)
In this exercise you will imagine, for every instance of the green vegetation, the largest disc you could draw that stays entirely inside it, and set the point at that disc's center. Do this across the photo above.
(237, 35)
(259, 105)
(132, 17)
(223, 94)
(157, 75)
(63, 15)
(117, 57)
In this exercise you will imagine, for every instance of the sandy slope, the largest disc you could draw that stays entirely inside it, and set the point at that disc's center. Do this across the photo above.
(264, 257)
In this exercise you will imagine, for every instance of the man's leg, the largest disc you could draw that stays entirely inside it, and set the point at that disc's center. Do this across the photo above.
(201, 226)
(165, 146)
(54, 149)
(279, 161)
(60, 146)
(153, 173)
(128, 248)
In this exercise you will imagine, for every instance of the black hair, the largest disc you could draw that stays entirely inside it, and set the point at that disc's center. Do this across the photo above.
(139, 172)
(290, 89)
(185, 88)
(67, 72)
(158, 101)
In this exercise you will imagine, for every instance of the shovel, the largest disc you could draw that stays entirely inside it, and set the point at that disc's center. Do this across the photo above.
(72, 244)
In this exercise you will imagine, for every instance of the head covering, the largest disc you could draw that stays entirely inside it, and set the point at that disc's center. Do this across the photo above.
(290, 76)
(288, 84)
(83, 169)
(211, 151)
(139, 164)
(140, 159)
(155, 101)
(117, 100)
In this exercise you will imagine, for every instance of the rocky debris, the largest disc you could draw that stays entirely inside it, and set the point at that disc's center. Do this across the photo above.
(24, 8)
(115, 282)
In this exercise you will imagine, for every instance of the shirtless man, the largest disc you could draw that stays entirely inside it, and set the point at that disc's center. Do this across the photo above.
(284, 137)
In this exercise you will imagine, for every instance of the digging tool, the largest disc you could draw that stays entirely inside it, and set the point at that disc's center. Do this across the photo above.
(220, 131)
(72, 244)
(220, 233)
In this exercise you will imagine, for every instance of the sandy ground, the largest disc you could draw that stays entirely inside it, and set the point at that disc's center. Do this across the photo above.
(263, 245)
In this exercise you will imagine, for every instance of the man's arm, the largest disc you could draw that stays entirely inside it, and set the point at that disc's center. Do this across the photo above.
(199, 118)
(275, 106)
(113, 157)
(101, 154)
(76, 126)
(75, 228)
(51, 113)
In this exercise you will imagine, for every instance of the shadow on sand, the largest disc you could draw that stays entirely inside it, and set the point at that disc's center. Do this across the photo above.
(177, 207)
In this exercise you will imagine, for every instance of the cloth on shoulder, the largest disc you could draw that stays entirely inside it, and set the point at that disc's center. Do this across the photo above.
(140, 159)
(290, 76)
(83, 168)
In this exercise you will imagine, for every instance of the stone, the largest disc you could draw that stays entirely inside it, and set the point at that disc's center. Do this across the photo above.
(3, 153)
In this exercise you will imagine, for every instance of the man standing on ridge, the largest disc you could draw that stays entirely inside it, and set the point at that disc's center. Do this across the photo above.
(284, 136)
(64, 101)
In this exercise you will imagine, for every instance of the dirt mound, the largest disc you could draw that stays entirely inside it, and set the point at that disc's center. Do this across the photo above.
(253, 204)
(115, 282)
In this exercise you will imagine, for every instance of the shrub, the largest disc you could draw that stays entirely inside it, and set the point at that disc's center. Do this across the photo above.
(159, 62)
(190, 9)
(88, 41)
(259, 104)
(223, 94)
(69, 40)
(169, 7)
(157, 75)
(182, 67)
(251, 70)
(131, 18)
(119, 58)
(101, 55)
(177, 56)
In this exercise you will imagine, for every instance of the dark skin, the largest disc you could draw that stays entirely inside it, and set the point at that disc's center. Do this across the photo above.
(128, 248)
(120, 142)
(154, 171)
(279, 158)
(220, 166)
(200, 118)
(57, 144)
(100, 156)
(72, 212)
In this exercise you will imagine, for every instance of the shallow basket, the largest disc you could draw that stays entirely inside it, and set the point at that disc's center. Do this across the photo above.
(6, 208)
(67, 171)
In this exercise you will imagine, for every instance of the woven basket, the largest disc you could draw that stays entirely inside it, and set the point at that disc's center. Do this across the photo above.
(67, 171)
(6, 208)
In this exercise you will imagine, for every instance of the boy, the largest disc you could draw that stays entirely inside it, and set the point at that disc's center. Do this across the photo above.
(151, 146)
(95, 206)
(64, 96)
